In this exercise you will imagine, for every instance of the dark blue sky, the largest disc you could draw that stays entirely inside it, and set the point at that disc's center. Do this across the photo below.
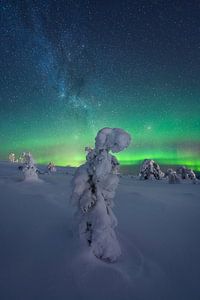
(69, 68)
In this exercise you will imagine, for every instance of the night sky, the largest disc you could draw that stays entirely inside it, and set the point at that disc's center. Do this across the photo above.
(72, 67)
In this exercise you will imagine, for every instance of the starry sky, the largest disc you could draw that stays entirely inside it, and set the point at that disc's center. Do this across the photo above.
(72, 67)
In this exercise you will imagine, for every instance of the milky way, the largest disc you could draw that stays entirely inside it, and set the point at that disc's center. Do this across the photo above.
(69, 68)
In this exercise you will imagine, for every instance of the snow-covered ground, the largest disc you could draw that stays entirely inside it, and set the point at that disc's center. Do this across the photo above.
(41, 257)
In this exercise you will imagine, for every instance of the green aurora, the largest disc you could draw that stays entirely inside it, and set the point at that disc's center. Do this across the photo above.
(160, 136)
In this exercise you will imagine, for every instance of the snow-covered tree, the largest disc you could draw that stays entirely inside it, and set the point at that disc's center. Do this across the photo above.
(186, 173)
(172, 176)
(29, 169)
(21, 157)
(192, 176)
(51, 168)
(150, 170)
(94, 188)
(182, 171)
(11, 157)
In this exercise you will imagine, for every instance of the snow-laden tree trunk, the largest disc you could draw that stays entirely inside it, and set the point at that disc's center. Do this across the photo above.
(94, 188)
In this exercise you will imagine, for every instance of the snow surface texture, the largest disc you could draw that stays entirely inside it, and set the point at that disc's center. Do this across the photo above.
(40, 258)
(150, 170)
(29, 169)
(94, 184)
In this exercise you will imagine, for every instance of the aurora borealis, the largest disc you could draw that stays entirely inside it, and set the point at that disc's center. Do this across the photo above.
(69, 68)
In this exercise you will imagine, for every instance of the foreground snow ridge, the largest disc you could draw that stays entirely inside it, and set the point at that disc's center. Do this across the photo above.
(94, 188)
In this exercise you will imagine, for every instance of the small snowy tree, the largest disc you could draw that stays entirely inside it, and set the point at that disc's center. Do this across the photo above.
(51, 168)
(94, 188)
(187, 174)
(182, 171)
(172, 176)
(192, 176)
(22, 157)
(29, 169)
(11, 157)
(150, 170)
